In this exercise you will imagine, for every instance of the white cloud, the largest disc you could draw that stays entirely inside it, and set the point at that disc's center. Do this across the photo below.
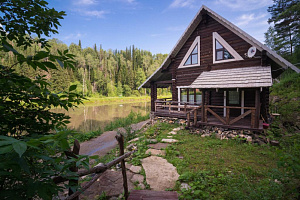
(251, 19)
(73, 36)
(243, 5)
(93, 13)
(85, 2)
(182, 4)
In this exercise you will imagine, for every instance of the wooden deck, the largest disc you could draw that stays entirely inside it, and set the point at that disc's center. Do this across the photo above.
(211, 120)
(152, 195)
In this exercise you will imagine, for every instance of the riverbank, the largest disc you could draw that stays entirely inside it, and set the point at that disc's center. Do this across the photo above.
(117, 100)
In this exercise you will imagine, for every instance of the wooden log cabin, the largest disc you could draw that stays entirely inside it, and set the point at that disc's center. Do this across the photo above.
(218, 74)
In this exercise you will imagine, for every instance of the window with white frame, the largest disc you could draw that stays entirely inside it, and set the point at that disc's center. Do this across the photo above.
(222, 51)
(192, 57)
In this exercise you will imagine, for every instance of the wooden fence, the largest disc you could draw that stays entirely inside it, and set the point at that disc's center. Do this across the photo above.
(98, 170)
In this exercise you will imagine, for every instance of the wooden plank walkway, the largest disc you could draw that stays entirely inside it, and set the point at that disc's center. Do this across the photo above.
(152, 195)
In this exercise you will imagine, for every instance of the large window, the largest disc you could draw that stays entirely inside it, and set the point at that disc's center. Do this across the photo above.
(233, 98)
(190, 95)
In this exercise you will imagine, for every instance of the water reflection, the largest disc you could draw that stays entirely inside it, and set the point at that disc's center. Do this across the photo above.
(93, 117)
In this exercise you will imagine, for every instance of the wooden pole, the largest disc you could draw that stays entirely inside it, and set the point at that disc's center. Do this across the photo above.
(120, 140)
(72, 182)
(203, 106)
(257, 108)
(195, 117)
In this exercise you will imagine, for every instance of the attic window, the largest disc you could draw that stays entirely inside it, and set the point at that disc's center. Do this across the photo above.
(192, 57)
(222, 51)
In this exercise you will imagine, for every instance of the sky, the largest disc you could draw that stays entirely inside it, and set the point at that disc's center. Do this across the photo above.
(153, 25)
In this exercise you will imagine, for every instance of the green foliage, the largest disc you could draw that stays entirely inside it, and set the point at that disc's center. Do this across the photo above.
(29, 163)
(285, 16)
(285, 100)
(31, 145)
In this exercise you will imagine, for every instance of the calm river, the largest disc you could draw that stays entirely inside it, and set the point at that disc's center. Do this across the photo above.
(92, 117)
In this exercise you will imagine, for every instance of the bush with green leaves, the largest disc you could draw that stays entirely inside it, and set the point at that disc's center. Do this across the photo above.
(32, 138)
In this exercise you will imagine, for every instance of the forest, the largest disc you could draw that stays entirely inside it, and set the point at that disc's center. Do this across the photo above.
(96, 72)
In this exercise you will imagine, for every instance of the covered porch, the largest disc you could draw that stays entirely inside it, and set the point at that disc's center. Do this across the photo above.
(231, 98)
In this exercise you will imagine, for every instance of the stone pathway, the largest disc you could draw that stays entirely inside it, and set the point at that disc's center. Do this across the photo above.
(160, 174)
(106, 142)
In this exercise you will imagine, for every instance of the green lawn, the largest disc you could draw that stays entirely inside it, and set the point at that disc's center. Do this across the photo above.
(226, 169)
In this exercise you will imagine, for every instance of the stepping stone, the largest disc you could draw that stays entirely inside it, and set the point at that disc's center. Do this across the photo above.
(176, 129)
(169, 136)
(137, 178)
(135, 169)
(169, 140)
(110, 182)
(152, 140)
(160, 174)
(141, 185)
(158, 146)
(172, 133)
(155, 152)
(133, 140)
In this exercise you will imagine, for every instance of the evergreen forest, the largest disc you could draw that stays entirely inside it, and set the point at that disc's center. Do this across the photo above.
(97, 72)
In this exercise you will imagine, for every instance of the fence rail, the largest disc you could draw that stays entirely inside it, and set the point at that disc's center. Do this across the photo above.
(98, 170)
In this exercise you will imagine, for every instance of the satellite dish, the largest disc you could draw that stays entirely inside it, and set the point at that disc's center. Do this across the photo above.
(251, 52)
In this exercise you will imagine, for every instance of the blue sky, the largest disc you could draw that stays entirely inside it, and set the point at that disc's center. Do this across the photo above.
(154, 25)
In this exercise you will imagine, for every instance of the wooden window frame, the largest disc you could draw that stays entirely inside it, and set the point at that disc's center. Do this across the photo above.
(226, 46)
(187, 55)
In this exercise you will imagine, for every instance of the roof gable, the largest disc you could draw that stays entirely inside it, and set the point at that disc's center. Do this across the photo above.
(191, 28)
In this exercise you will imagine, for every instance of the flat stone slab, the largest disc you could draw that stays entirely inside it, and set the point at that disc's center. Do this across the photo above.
(169, 140)
(152, 140)
(160, 174)
(155, 152)
(133, 140)
(177, 129)
(135, 169)
(172, 133)
(137, 178)
(158, 146)
(111, 182)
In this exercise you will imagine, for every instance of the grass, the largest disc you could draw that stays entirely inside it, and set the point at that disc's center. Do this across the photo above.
(116, 100)
(228, 169)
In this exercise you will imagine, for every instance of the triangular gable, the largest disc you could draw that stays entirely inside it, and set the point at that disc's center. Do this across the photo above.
(192, 57)
(219, 42)
(192, 26)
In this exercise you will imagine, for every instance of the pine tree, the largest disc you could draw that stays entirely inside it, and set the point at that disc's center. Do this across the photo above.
(79, 44)
(285, 15)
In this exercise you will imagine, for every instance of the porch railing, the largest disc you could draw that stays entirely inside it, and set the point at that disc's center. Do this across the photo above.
(174, 106)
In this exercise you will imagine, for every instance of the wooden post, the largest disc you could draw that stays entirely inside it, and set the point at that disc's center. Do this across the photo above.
(252, 118)
(227, 115)
(188, 119)
(153, 95)
(203, 106)
(195, 117)
(257, 108)
(185, 107)
(205, 114)
(120, 140)
(74, 153)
